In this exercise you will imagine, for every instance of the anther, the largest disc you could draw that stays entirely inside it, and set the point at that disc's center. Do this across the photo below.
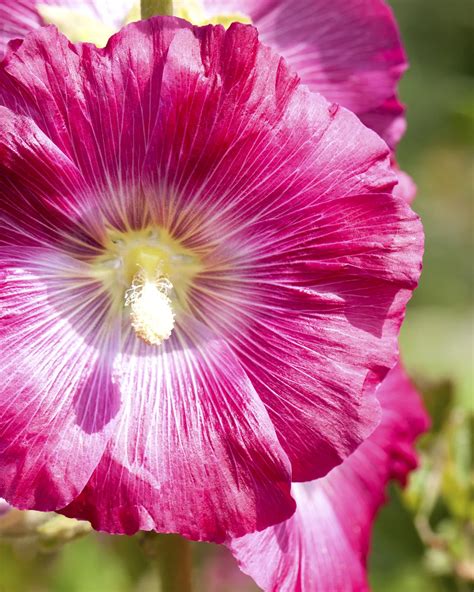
(151, 310)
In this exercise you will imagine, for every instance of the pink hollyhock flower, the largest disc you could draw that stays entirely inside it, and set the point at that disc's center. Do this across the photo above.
(324, 546)
(348, 50)
(203, 275)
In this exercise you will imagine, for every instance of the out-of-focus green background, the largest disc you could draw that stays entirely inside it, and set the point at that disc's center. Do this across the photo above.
(421, 539)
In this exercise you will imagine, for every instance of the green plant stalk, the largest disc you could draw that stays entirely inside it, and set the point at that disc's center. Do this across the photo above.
(172, 556)
(156, 7)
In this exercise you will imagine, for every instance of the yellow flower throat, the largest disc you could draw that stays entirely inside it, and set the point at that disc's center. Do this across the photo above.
(150, 274)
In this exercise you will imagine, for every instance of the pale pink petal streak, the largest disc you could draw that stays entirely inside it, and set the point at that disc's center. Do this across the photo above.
(194, 452)
(58, 401)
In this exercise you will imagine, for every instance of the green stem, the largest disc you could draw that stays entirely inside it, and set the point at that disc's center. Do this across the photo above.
(172, 555)
(156, 7)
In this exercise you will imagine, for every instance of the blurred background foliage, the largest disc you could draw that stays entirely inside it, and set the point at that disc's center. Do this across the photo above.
(423, 539)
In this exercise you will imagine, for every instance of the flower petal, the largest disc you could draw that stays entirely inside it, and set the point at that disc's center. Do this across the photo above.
(406, 188)
(62, 93)
(348, 50)
(205, 463)
(388, 120)
(58, 401)
(324, 545)
(316, 294)
(39, 180)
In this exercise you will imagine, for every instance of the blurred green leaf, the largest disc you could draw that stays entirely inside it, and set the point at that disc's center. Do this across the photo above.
(397, 556)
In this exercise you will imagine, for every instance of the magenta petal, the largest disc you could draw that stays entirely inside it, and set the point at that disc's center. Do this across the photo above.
(388, 120)
(348, 50)
(63, 95)
(406, 188)
(321, 309)
(194, 452)
(58, 401)
(324, 546)
(39, 180)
